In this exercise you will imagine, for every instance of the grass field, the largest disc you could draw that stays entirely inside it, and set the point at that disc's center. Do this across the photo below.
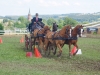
(13, 60)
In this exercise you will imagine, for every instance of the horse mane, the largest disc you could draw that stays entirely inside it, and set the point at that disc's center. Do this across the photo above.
(46, 27)
(74, 30)
(63, 30)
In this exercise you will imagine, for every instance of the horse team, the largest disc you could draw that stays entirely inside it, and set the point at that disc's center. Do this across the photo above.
(48, 40)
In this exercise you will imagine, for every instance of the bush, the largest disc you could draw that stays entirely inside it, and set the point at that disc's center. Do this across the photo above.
(1, 28)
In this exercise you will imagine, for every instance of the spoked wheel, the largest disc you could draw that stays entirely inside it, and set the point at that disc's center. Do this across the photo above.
(26, 42)
(30, 44)
(26, 45)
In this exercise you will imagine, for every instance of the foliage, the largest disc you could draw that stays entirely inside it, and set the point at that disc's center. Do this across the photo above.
(70, 21)
(80, 17)
(21, 23)
(60, 23)
(22, 19)
(1, 26)
(10, 25)
(50, 21)
(44, 21)
(5, 20)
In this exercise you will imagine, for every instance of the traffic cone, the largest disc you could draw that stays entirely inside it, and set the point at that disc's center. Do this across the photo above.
(74, 51)
(28, 54)
(79, 52)
(22, 40)
(1, 40)
(37, 53)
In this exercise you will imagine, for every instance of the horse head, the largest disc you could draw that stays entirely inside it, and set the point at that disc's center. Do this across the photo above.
(46, 28)
(80, 30)
(54, 23)
(68, 30)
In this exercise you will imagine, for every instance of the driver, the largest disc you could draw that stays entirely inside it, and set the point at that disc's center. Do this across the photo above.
(36, 18)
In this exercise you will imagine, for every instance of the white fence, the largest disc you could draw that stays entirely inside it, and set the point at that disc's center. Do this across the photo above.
(13, 32)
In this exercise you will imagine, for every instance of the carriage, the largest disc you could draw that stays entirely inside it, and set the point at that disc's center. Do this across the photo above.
(31, 39)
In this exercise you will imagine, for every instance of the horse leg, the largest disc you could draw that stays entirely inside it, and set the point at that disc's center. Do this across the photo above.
(60, 50)
(69, 50)
(55, 50)
(46, 44)
(41, 46)
(32, 43)
(48, 47)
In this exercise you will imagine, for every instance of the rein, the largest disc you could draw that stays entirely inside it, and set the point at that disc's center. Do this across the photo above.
(40, 35)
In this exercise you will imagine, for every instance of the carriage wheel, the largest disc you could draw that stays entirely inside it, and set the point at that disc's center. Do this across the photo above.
(30, 44)
(26, 44)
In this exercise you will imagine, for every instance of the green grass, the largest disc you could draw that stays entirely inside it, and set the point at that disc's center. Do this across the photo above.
(13, 60)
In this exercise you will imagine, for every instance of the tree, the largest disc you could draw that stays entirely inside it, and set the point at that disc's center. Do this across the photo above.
(70, 21)
(44, 21)
(10, 25)
(60, 23)
(22, 19)
(1, 27)
(50, 21)
(5, 20)
(19, 25)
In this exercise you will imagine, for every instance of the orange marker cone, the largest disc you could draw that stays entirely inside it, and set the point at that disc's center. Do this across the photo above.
(22, 40)
(37, 53)
(28, 54)
(73, 51)
(0, 40)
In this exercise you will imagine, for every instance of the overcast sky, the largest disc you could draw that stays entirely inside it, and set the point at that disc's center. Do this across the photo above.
(21, 7)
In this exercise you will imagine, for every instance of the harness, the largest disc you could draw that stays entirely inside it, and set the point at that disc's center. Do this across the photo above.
(40, 35)
(59, 37)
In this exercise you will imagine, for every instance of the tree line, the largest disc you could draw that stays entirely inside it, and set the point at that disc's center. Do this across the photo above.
(22, 22)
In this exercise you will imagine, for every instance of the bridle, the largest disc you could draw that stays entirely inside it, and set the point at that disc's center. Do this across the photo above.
(68, 30)
(80, 30)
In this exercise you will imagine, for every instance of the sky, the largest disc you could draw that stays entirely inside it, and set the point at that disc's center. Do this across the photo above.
(43, 7)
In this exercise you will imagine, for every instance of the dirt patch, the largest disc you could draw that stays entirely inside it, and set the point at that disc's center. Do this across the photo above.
(88, 65)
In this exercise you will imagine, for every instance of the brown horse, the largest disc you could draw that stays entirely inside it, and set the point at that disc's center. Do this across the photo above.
(39, 35)
(57, 38)
(73, 40)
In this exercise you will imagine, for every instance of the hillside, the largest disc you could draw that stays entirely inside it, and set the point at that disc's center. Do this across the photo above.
(80, 17)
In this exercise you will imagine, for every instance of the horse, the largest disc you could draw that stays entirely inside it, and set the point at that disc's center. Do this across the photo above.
(73, 40)
(55, 27)
(57, 38)
(39, 35)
